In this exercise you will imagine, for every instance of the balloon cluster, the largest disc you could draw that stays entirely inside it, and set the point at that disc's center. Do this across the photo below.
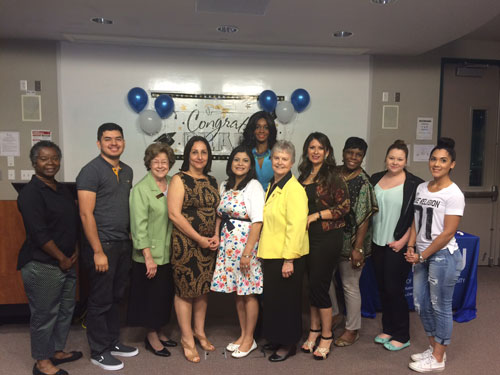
(149, 120)
(284, 110)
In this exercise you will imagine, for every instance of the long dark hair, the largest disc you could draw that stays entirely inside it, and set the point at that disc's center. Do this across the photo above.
(326, 174)
(231, 181)
(248, 138)
(187, 150)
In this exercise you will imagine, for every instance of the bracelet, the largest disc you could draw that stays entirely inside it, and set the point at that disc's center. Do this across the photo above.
(288, 261)
(319, 214)
(412, 246)
(246, 256)
(360, 250)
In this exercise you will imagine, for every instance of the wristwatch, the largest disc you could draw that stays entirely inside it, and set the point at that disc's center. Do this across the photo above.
(420, 258)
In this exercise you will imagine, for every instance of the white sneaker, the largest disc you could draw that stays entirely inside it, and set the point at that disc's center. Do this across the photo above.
(231, 347)
(419, 356)
(429, 364)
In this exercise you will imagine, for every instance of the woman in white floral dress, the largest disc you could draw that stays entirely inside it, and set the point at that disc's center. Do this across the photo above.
(239, 218)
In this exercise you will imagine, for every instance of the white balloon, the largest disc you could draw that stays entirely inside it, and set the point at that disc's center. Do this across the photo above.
(149, 121)
(284, 112)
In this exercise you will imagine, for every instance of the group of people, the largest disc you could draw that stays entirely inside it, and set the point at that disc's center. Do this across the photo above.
(255, 235)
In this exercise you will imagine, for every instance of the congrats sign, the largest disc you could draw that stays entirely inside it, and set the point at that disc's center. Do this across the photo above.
(219, 118)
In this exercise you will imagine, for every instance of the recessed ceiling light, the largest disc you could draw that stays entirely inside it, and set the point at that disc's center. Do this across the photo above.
(342, 34)
(382, 2)
(227, 29)
(102, 21)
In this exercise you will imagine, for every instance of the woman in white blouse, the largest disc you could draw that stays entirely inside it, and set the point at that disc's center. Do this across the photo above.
(239, 223)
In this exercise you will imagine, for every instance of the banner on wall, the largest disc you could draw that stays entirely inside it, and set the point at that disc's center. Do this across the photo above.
(219, 118)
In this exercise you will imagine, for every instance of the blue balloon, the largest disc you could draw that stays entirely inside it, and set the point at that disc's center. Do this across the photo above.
(164, 105)
(268, 100)
(137, 98)
(300, 99)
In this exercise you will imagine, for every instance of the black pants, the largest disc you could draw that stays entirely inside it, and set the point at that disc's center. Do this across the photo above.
(391, 270)
(283, 302)
(106, 290)
(322, 260)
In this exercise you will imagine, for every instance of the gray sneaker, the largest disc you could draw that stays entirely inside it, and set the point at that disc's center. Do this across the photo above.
(123, 350)
(107, 362)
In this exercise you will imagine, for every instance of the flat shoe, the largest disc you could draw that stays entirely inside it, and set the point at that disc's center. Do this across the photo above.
(380, 340)
(231, 347)
(36, 371)
(340, 342)
(169, 343)
(74, 356)
(238, 354)
(204, 343)
(394, 348)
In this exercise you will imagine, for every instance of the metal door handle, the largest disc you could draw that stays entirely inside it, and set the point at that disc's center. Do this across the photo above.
(493, 194)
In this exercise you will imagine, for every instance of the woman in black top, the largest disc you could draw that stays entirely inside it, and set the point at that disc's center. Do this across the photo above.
(47, 259)
(395, 190)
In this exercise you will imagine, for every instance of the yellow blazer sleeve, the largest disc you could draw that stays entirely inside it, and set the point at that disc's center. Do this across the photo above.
(296, 236)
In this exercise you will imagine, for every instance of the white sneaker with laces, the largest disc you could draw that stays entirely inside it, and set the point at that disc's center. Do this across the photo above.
(429, 364)
(419, 356)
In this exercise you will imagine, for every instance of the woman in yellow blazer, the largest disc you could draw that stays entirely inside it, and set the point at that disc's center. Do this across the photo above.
(283, 244)
(152, 286)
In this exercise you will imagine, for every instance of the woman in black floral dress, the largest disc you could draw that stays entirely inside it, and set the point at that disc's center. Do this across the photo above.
(193, 197)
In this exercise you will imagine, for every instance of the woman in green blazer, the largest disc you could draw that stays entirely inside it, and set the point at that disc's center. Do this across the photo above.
(152, 287)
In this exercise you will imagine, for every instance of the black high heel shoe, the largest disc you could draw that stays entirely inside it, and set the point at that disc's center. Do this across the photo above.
(169, 343)
(162, 353)
(275, 357)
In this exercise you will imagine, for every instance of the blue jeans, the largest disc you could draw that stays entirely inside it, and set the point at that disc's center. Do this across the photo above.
(433, 285)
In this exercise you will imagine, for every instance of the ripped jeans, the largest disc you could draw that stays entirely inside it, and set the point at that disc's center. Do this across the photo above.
(433, 285)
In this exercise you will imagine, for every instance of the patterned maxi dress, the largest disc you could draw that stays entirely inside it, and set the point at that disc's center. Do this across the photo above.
(227, 276)
(193, 266)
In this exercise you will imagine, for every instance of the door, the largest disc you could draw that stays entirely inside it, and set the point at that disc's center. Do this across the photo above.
(469, 114)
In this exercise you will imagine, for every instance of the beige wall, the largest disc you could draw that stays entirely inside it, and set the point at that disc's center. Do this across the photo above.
(26, 60)
(418, 81)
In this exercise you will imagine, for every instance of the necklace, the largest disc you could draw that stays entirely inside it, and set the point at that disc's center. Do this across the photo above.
(264, 155)
(350, 175)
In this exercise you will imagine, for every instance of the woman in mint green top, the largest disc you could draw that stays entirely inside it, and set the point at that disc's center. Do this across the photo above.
(395, 190)
(152, 287)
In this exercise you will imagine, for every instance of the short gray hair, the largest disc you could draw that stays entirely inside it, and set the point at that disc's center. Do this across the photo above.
(284, 146)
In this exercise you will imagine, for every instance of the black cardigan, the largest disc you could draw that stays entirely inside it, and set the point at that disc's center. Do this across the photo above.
(407, 210)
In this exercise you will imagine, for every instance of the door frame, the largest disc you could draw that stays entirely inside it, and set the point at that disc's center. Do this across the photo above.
(495, 238)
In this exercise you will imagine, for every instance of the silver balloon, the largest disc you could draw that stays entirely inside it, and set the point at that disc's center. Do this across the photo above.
(149, 121)
(284, 112)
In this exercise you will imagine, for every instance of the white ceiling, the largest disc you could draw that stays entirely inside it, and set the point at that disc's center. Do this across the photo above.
(405, 27)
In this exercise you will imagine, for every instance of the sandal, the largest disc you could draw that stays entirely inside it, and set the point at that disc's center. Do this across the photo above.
(204, 343)
(323, 352)
(190, 352)
(309, 346)
(340, 342)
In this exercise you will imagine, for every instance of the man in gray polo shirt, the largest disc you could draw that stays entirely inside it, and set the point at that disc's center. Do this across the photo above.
(103, 191)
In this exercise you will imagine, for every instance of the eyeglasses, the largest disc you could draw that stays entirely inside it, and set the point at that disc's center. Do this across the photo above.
(159, 162)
